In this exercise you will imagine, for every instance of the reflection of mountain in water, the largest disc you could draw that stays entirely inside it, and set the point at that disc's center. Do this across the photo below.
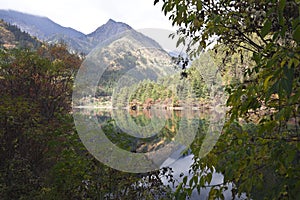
(123, 127)
(145, 140)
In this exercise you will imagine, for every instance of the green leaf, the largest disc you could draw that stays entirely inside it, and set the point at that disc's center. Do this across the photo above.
(266, 82)
(286, 86)
(218, 19)
(199, 5)
(184, 180)
(179, 41)
(198, 189)
(212, 193)
(266, 28)
(281, 5)
(177, 191)
(209, 177)
(288, 72)
(296, 34)
(240, 142)
(272, 90)
(202, 181)
(195, 178)
(283, 30)
(287, 83)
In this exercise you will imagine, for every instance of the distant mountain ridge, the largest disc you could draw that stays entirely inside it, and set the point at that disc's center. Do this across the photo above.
(122, 53)
(11, 37)
(41, 27)
(46, 30)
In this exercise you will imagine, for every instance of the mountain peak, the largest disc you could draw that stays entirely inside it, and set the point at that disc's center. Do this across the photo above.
(111, 21)
(47, 30)
(108, 30)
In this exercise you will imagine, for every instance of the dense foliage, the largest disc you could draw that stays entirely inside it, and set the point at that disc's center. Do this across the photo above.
(41, 154)
(259, 151)
(169, 91)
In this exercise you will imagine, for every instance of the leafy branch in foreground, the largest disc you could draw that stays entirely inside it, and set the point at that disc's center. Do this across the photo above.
(264, 115)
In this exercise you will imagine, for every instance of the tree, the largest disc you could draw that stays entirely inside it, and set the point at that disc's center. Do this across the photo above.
(35, 100)
(267, 97)
(42, 156)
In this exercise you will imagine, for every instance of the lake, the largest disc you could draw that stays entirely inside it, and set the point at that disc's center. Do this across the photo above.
(138, 141)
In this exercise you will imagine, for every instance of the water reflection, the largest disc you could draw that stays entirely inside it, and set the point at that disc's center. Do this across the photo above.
(143, 131)
(153, 132)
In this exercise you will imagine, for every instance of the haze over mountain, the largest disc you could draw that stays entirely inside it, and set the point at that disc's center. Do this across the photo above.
(46, 30)
(41, 27)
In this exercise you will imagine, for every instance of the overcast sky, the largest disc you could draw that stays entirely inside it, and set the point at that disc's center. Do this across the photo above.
(87, 15)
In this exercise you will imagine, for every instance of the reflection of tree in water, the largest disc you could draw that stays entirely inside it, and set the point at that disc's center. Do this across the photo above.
(161, 138)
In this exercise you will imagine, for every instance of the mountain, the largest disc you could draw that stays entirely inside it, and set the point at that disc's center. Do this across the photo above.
(125, 55)
(40, 27)
(11, 36)
(119, 62)
(108, 30)
(46, 30)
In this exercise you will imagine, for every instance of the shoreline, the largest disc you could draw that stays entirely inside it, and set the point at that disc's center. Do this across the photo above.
(208, 107)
